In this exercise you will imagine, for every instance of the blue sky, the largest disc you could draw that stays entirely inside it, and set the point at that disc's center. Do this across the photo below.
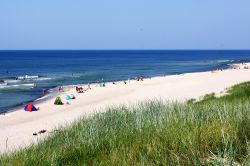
(129, 24)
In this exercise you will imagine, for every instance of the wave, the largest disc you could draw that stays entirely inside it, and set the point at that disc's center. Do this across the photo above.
(44, 78)
(42, 98)
(16, 86)
(11, 81)
(226, 61)
(27, 77)
(3, 84)
(16, 80)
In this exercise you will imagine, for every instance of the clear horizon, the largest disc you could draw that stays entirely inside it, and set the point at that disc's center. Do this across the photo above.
(130, 25)
(124, 49)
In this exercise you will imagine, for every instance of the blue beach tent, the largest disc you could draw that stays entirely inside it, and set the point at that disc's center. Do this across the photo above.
(30, 107)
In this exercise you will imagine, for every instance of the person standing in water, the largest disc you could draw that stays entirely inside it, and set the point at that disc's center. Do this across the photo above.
(44, 90)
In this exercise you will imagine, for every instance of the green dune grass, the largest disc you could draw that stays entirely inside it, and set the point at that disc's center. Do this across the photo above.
(213, 131)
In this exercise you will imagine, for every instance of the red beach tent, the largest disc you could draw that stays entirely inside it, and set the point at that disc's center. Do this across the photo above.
(30, 107)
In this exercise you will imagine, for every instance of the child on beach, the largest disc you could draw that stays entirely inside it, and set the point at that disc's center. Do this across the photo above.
(89, 86)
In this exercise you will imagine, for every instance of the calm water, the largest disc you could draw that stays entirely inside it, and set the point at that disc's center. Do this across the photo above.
(53, 68)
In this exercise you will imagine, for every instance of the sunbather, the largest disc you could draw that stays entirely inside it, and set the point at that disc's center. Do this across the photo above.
(79, 89)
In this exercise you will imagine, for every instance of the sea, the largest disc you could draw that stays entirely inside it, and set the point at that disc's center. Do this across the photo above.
(26, 74)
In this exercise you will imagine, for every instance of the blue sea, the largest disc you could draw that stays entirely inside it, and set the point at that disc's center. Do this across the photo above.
(21, 70)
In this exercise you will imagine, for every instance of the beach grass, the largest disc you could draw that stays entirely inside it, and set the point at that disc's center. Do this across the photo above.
(213, 131)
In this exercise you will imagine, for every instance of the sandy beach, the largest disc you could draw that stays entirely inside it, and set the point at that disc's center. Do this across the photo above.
(17, 128)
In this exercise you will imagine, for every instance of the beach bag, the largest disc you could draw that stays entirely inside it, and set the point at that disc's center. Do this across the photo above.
(58, 101)
(72, 96)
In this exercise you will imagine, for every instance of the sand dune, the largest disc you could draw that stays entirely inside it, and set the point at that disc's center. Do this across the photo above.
(16, 129)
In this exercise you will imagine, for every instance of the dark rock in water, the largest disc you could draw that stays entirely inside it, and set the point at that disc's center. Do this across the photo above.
(1, 81)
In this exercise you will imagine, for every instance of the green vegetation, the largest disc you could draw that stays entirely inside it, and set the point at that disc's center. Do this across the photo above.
(239, 92)
(191, 101)
(208, 97)
(213, 131)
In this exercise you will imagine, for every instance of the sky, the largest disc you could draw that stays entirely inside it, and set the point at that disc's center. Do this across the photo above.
(124, 24)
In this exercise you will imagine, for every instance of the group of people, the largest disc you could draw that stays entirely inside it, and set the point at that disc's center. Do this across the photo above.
(139, 78)
(80, 89)
(102, 83)
(236, 66)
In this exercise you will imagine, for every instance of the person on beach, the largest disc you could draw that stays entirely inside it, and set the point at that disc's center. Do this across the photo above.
(44, 91)
(102, 83)
(79, 89)
(89, 86)
(139, 78)
(60, 89)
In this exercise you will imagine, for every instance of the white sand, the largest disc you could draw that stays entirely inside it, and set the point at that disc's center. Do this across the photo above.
(16, 128)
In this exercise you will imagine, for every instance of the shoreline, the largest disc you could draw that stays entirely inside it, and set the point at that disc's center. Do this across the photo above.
(50, 95)
(17, 128)
(38, 100)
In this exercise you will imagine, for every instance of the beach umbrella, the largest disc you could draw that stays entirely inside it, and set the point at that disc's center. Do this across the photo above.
(67, 97)
(30, 107)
